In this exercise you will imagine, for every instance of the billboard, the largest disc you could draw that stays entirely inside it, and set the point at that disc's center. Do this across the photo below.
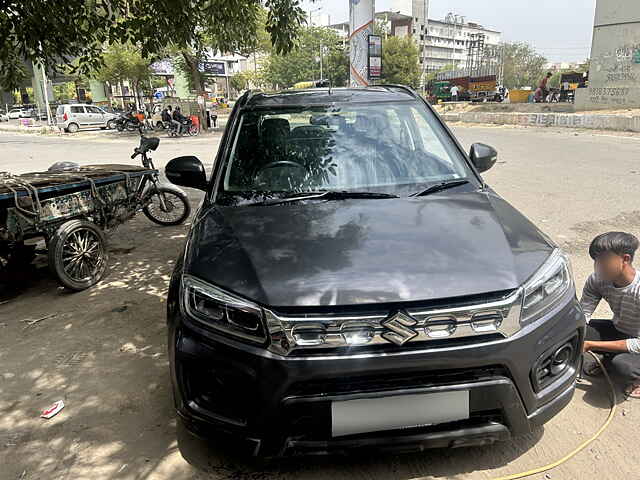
(212, 68)
(375, 56)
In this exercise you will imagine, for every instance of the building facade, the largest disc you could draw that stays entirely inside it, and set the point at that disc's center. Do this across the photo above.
(447, 43)
(441, 43)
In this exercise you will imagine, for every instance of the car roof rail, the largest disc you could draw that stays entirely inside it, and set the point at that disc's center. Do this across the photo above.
(390, 86)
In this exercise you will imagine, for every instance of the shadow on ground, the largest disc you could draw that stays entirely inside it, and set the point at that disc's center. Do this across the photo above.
(104, 354)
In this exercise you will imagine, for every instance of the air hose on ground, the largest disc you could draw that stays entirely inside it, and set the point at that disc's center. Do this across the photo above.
(584, 444)
(576, 450)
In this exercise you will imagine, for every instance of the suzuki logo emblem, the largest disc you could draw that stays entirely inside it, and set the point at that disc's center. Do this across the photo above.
(399, 325)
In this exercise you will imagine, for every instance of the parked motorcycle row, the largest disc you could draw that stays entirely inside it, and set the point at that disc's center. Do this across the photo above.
(136, 121)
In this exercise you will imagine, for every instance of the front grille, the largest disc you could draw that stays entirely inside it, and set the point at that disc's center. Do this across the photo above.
(394, 327)
(387, 348)
(394, 381)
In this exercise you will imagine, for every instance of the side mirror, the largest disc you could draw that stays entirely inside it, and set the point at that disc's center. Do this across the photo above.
(483, 156)
(186, 171)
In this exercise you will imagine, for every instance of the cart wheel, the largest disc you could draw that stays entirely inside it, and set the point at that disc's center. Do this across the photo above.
(78, 254)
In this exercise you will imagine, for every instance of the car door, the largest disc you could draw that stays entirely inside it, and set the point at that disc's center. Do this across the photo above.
(78, 115)
(96, 116)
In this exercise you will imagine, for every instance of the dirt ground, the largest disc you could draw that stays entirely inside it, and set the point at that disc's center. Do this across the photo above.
(104, 350)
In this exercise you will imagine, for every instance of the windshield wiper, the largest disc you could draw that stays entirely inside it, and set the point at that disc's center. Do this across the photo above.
(439, 187)
(324, 195)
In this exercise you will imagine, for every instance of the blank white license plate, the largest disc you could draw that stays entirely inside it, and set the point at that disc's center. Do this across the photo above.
(350, 417)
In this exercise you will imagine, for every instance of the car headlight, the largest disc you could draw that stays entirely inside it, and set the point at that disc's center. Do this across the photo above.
(220, 310)
(546, 286)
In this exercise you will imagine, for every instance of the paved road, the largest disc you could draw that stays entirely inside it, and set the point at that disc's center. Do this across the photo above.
(109, 364)
(570, 183)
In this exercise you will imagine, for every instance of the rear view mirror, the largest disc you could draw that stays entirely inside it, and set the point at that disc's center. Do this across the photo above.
(186, 171)
(483, 156)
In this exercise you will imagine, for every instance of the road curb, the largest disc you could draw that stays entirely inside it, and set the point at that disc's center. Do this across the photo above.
(566, 120)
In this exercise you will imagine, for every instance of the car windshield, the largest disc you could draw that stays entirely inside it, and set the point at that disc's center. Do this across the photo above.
(382, 147)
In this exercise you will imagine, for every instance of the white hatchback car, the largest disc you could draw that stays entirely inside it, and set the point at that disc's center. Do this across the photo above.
(19, 113)
(73, 117)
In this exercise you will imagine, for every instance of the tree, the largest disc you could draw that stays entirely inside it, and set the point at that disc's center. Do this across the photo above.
(300, 64)
(523, 66)
(54, 33)
(124, 62)
(400, 61)
(239, 81)
(432, 76)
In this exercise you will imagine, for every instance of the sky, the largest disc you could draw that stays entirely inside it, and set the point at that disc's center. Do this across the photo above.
(558, 29)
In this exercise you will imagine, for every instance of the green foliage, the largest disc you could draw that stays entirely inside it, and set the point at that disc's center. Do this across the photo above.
(523, 66)
(240, 81)
(64, 91)
(432, 76)
(400, 61)
(123, 62)
(300, 64)
(54, 32)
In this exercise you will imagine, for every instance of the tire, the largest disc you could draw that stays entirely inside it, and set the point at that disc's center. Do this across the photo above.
(73, 128)
(193, 130)
(82, 269)
(175, 199)
(119, 127)
(111, 124)
(159, 126)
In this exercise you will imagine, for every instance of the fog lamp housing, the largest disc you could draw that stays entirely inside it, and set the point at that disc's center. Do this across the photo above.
(555, 363)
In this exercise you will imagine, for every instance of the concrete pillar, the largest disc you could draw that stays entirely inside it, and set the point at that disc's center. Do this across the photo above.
(181, 84)
(614, 73)
(361, 14)
(98, 93)
(37, 83)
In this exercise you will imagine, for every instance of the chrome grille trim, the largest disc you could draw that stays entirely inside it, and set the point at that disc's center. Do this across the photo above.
(287, 331)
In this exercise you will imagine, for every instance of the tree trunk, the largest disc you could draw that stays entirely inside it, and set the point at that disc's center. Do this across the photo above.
(122, 95)
(196, 77)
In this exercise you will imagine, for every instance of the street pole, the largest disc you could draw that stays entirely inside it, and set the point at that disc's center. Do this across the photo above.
(321, 77)
(46, 94)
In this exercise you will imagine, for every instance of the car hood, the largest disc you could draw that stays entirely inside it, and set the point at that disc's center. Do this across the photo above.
(351, 252)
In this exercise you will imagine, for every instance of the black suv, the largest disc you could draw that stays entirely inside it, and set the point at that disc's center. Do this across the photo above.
(350, 281)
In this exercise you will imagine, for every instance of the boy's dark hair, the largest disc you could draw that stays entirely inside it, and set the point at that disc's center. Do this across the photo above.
(620, 243)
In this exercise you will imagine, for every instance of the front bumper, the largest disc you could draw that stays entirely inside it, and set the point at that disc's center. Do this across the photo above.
(282, 406)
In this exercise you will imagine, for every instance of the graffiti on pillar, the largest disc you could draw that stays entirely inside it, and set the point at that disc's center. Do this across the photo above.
(615, 75)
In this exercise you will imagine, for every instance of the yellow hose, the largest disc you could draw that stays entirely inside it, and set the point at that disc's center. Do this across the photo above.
(584, 444)
(580, 447)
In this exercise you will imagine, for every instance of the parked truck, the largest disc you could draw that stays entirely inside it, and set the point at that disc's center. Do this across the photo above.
(474, 88)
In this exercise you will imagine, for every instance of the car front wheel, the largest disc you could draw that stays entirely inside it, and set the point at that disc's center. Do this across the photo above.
(73, 128)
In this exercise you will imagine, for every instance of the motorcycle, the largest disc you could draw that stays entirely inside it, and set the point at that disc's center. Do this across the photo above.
(128, 121)
(187, 127)
(163, 204)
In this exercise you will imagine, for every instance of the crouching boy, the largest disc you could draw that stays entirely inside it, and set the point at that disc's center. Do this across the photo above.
(618, 283)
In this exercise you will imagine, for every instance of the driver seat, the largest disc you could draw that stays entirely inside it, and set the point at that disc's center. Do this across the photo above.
(274, 133)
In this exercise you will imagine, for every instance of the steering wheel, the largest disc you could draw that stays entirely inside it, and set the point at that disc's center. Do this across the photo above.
(279, 163)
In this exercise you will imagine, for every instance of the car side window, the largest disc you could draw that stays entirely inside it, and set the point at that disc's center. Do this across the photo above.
(94, 110)
(77, 109)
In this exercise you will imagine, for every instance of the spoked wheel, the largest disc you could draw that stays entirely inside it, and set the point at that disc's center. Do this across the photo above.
(193, 130)
(78, 254)
(167, 207)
